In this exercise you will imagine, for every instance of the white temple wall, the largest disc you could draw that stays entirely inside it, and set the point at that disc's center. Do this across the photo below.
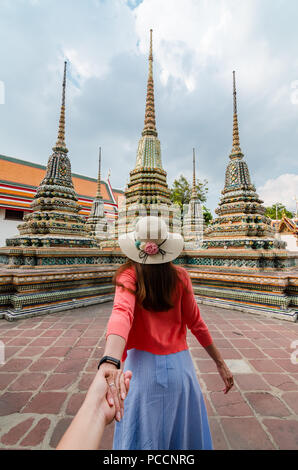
(8, 228)
(291, 241)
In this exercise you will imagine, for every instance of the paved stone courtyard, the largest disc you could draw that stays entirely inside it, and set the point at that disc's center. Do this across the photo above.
(51, 360)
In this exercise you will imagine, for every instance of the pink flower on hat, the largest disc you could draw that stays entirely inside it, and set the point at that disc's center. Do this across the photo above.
(151, 248)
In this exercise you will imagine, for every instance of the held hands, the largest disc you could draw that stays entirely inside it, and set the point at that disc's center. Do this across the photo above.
(108, 398)
(226, 375)
(117, 388)
(87, 427)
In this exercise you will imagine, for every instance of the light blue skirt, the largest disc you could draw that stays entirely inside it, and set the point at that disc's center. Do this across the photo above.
(165, 408)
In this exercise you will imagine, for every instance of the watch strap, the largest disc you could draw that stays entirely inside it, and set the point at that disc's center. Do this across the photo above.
(111, 360)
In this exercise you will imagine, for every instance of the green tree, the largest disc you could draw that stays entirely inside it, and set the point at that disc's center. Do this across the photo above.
(207, 215)
(278, 209)
(181, 192)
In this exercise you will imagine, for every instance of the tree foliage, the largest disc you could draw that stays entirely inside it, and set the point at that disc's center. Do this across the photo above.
(281, 209)
(207, 215)
(181, 193)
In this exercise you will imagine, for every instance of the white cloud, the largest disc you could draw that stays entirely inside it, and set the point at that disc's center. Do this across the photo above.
(282, 189)
(196, 45)
(85, 69)
(190, 35)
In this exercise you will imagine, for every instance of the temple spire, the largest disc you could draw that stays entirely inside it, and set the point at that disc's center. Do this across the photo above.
(236, 150)
(150, 56)
(60, 144)
(194, 189)
(149, 123)
(98, 194)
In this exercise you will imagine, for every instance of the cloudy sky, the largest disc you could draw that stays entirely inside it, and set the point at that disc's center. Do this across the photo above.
(196, 46)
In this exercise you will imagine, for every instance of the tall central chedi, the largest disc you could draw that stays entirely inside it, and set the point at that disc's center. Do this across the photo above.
(147, 190)
(241, 221)
(148, 181)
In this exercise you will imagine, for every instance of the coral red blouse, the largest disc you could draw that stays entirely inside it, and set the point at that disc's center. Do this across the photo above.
(156, 332)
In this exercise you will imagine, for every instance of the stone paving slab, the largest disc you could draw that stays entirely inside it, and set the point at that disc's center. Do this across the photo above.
(51, 360)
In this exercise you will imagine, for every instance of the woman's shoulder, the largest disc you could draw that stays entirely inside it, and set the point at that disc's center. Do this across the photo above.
(128, 274)
(183, 274)
(181, 270)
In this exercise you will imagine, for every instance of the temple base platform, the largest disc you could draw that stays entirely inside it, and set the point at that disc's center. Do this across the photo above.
(274, 295)
(264, 283)
(255, 281)
(39, 291)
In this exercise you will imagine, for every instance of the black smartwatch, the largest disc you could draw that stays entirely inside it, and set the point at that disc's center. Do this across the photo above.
(111, 360)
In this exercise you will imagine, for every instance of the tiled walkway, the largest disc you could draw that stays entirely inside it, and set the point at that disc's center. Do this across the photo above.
(50, 362)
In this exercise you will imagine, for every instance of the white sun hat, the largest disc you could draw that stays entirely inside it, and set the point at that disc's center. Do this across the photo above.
(151, 243)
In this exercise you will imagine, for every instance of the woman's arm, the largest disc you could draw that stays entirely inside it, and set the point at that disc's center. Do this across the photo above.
(192, 316)
(118, 328)
(122, 315)
(114, 347)
(222, 368)
(198, 327)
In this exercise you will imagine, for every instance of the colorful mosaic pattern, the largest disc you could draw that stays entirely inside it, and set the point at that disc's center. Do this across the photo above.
(193, 220)
(148, 181)
(147, 189)
(38, 291)
(241, 216)
(55, 219)
(97, 223)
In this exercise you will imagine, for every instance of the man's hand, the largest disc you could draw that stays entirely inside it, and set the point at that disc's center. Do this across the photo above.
(86, 429)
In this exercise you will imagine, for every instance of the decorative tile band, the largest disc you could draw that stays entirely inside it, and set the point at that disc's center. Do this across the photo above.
(19, 301)
(245, 297)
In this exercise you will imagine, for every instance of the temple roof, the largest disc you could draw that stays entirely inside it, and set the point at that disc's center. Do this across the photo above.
(19, 180)
(288, 225)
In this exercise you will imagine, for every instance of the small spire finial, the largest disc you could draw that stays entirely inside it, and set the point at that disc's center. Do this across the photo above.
(150, 50)
(150, 126)
(194, 189)
(236, 142)
(234, 93)
(194, 166)
(98, 193)
(60, 144)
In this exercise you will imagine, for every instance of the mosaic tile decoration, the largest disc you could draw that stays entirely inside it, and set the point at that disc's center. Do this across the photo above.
(241, 215)
(55, 205)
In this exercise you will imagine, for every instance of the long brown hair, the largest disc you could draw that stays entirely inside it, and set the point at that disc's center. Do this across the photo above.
(155, 286)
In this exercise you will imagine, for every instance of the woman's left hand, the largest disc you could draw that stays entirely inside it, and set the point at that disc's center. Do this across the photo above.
(226, 375)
